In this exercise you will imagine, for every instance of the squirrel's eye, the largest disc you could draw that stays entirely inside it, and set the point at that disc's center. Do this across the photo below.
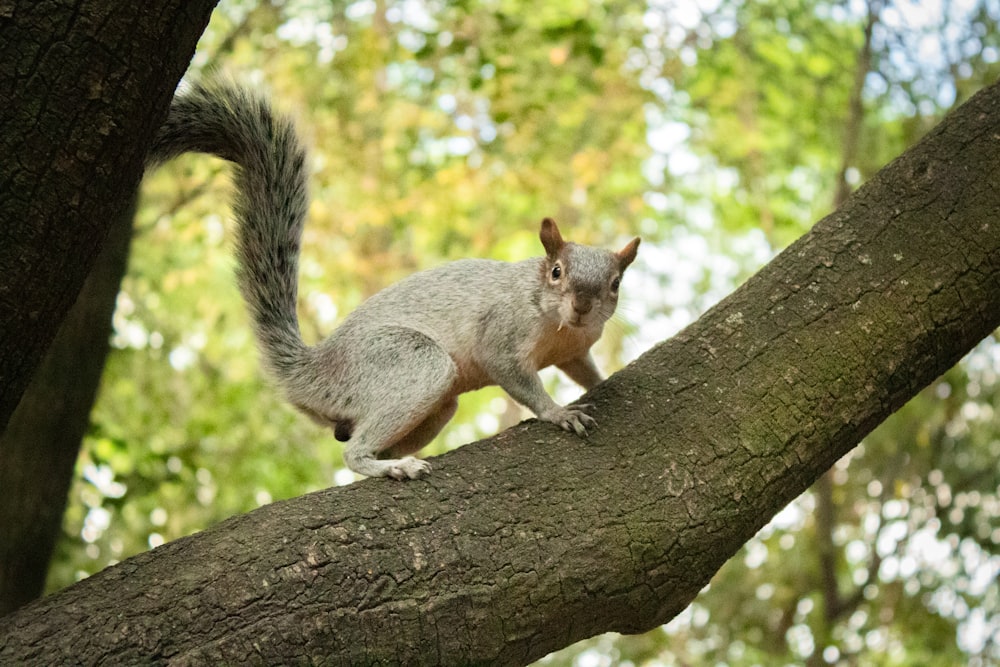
(615, 284)
(556, 272)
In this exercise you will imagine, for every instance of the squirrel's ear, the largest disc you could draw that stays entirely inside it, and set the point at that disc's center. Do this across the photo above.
(627, 254)
(552, 240)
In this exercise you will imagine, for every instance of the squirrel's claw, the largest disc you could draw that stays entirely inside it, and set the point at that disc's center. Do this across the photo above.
(409, 467)
(572, 418)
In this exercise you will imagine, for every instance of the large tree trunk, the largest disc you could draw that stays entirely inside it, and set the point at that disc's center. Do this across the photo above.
(84, 84)
(526, 542)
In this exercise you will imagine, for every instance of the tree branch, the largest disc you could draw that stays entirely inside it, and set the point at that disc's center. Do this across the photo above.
(526, 542)
(856, 109)
(39, 447)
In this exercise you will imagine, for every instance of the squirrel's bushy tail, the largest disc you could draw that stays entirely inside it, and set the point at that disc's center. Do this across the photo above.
(270, 204)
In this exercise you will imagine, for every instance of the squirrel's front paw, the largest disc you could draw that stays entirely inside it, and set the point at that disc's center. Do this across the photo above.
(571, 418)
(408, 467)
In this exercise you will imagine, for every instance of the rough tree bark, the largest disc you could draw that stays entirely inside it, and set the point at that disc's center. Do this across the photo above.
(526, 542)
(85, 83)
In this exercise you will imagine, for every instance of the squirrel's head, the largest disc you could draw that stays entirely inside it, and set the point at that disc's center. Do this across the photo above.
(583, 280)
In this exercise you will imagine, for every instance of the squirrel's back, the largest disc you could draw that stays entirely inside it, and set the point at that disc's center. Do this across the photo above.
(469, 287)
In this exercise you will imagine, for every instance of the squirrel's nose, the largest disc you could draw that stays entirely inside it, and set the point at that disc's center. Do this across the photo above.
(582, 305)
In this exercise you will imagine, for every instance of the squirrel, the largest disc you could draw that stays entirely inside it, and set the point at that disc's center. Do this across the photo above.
(387, 379)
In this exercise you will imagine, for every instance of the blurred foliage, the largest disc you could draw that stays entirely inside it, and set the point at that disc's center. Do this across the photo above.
(441, 130)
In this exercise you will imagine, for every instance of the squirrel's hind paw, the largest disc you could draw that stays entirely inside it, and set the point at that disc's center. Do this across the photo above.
(408, 467)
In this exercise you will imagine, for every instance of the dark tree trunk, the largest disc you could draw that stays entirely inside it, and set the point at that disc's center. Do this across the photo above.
(38, 449)
(826, 509)
(84, 84)
(531, 540)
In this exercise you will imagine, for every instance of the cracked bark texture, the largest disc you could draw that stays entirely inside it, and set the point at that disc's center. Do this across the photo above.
(523, 543)
(85, 83)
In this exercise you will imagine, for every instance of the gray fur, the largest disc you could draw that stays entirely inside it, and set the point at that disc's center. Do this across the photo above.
(235, 124)
(387, 379)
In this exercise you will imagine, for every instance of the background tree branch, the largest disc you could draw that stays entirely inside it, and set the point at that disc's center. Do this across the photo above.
(39, 447)
(87, 83)
(533, 539)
